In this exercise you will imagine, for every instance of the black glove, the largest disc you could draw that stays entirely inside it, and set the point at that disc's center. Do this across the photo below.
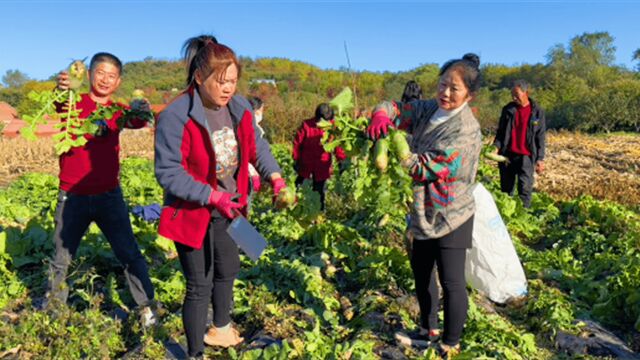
(103, 129)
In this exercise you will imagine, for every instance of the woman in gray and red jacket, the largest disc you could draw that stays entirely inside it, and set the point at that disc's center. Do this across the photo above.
(445, 148)
(205, 141)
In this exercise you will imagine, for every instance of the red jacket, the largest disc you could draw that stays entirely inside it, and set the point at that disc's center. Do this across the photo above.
(308, 152)
(185, 164)
(93, 168)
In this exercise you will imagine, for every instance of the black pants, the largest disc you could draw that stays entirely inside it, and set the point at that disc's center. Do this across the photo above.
(210, 273)
(318, 186)
(74, 214)
(520, 166)
(451, 272)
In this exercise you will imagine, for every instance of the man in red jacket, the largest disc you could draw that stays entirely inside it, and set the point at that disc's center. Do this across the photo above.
(90, 191)
(311, 161)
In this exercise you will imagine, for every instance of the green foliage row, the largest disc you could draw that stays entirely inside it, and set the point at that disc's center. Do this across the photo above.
(329, 286)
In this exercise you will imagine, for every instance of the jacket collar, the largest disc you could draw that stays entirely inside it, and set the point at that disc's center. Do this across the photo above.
(513, 105)
(237, 107)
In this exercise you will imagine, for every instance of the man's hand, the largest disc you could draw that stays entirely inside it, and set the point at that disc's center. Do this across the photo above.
(141, 105)
(539, 166)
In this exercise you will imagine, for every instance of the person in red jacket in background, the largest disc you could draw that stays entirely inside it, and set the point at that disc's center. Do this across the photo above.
(311, 161)
(90, 191)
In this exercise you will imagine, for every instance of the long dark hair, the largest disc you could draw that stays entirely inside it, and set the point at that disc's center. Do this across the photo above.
(324, 111)
(469, 67)
(204, 54)
(412, 91)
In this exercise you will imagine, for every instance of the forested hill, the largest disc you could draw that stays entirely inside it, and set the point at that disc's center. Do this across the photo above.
(580, 87)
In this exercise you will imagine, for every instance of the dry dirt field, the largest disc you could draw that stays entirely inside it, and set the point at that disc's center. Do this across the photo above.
(604, 166)
(20, 156)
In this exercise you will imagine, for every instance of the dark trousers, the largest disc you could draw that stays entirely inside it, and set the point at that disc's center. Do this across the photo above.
(210, 273)
(74, 214)
(450, 262)
(520, 166)
(318, 186)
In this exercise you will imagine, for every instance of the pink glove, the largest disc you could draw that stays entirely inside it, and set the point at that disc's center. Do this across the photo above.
(379, 125)
(340, 154)
(255, 181)
(225, 204)
(325, 157)
(278, 184)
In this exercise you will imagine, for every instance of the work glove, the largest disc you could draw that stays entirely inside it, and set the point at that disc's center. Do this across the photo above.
(278, 184)
(103, 129)
(255, 182)
(379, 125)
(225, 203)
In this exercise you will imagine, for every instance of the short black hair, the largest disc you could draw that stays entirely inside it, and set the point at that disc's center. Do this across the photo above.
(324, 111)
(412, 91)
(105, 57)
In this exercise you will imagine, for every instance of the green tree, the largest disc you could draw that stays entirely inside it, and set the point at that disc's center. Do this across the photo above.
(636, 57)
(14, 78)
(26, 105)
(589, 56)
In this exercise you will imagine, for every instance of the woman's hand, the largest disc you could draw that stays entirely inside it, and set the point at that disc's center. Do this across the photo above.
(225, 203)
(379, 125)
(278, 184)
(255, 182)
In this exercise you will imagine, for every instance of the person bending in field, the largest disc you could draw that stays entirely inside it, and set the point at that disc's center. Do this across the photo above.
(205, 141)
(90, 192)
(258, 110)
(311, 161)
(520, 138)
(445, 148)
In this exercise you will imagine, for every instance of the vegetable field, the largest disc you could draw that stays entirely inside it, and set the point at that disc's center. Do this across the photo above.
(338, 285)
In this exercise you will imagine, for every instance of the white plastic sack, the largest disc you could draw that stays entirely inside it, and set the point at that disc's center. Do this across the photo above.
(492, 265)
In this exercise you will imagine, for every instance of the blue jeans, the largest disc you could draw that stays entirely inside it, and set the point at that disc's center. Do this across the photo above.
(73, 216)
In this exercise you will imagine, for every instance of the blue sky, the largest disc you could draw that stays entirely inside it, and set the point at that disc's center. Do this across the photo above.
(41, 37)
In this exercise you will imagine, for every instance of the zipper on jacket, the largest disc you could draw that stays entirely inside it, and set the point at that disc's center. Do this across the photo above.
(178, 206)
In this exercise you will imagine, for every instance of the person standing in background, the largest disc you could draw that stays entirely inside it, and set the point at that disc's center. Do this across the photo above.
(258, 110)
(311, 161)
(520, 138)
